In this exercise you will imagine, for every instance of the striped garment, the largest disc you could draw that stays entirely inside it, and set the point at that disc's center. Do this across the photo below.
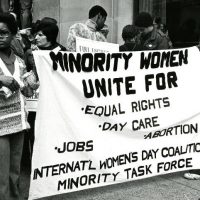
(13, 116)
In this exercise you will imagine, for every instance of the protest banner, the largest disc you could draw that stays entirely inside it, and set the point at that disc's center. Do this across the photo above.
(91, 46)
(109, 118)
(82, 45)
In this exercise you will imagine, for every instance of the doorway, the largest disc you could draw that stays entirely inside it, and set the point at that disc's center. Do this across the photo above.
(183, 22)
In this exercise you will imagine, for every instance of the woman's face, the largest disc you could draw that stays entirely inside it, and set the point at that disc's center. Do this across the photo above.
(5, 36)
(41, 40)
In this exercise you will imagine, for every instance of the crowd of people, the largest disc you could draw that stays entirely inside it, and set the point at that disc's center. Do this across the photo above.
(18, 74)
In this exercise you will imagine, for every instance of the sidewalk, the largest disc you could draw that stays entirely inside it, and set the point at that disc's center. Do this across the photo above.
(167, 187)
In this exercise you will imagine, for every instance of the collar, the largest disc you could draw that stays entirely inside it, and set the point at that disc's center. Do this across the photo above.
(8, 60)
(91, 25)
(51, 47)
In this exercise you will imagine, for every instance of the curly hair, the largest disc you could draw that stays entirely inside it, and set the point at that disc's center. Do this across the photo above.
(95, 10)
(129, 32)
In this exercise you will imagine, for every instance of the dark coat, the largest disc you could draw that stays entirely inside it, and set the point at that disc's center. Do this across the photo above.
(128, 46)
(155, 40)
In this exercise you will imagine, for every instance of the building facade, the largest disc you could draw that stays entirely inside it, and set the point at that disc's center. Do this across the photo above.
(68, 12)
(174, 13)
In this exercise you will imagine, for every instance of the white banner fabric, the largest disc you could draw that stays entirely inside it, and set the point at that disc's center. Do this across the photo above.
(109, 118)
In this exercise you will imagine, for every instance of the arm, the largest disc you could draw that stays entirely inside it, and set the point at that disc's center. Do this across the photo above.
(29, 78)
(79, 30)
(9, 82)
(71, 39)
(30, 63)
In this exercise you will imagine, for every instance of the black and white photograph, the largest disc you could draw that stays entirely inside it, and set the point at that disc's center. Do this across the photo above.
(99, 100)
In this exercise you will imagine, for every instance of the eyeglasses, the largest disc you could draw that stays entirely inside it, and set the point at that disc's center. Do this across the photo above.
(4, 34)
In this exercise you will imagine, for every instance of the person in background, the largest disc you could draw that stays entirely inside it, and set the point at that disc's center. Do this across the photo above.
(163, 28)
(28, 34)
(149, 38)
(13, 118)
(129, 34)
(46, 34)
(23, 10)
(26, 14)
(46, 37)
(4, 5)
(157, 22)
(17, 43)
(93, 29)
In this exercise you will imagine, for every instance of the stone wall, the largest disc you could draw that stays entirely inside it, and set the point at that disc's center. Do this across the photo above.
(68, 12)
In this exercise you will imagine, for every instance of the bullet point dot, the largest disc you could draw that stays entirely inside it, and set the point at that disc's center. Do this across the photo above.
(82, 108)
(56, 148)
(99, 126)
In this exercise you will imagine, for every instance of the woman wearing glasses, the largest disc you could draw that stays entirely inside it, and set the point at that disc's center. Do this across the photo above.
(13, 119)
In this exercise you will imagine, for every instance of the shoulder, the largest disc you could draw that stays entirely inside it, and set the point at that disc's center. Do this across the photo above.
(17, 47)
(62, 48)
(78, 29)
(129, 46)
(158, 36)
(59, 47)
(161, 34)
(161, 40)
(122, 47)
(77, 26)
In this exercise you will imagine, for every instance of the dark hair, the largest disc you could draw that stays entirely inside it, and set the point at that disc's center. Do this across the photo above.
(45, 20)
(95, 10)
(158, 20)
(129, 32)
(144, 19)
(164, 30)
(34, 27)
(50, 30)
(9, 20)
(49, 20)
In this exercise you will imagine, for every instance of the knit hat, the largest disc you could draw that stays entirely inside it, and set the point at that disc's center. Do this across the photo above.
(144, 19)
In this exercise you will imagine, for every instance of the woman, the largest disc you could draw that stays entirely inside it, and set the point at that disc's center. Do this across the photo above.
(46, 32)
(13, 119)
(46, 36)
